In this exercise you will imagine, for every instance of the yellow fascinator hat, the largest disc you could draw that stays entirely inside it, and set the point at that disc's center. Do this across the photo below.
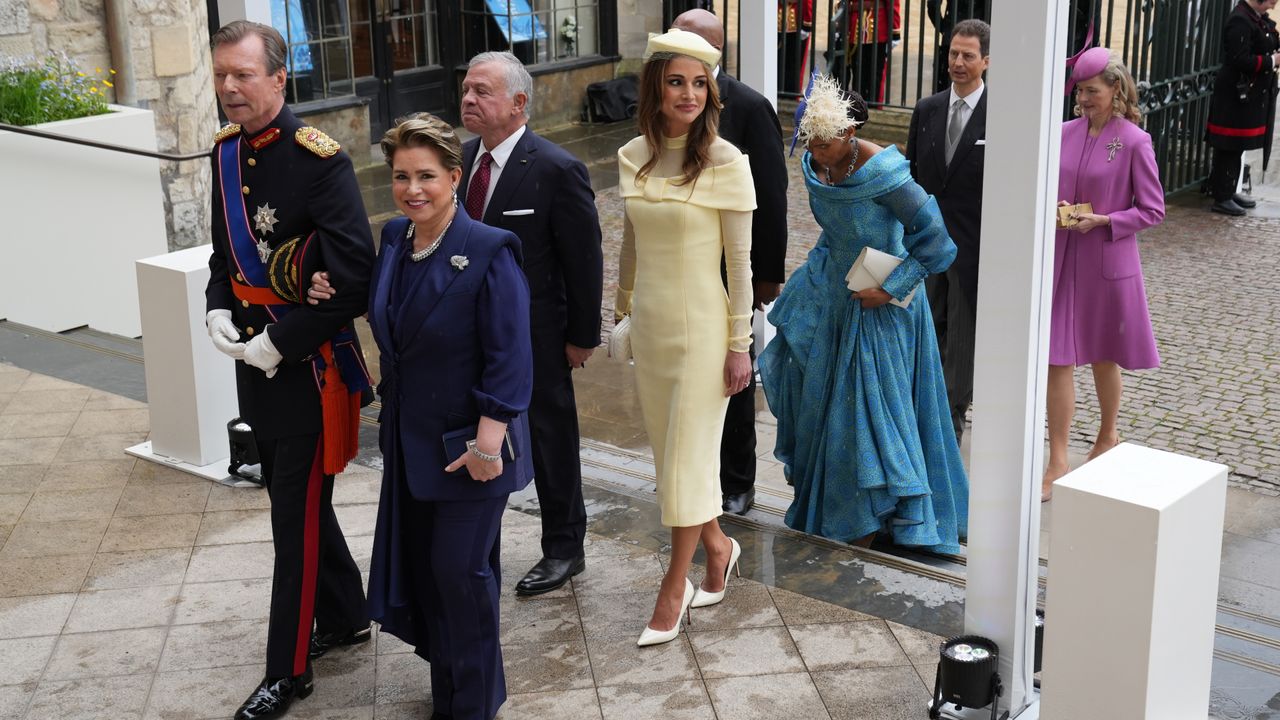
(682, 42)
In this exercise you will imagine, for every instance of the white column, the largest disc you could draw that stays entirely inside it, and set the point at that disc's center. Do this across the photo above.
(191, 387)
(757, 48)
(1133, 588)
(1028, 47)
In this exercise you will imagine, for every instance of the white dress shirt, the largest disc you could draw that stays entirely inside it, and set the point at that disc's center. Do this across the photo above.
(970, 102)
(500, 155)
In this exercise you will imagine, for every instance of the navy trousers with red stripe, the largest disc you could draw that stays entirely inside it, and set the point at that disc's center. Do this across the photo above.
(316, 581)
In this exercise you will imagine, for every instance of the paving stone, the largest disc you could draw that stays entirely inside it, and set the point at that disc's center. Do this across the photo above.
(52, 505)
(685, 700)
(234, 526)
(24, 659)
(619, 661)
(539, 620)
(343, 680)
(840, 646)
(920, 646)
(639, 574)
(88, 475)
(754, 651)
(14, 700)
(357, 520)
(43, 575)
(240, 561)
(149, 532)
(149, 473)
(403, 678)
(554, 705)
(616, 615)
(37, 425)
(91, 698)
(767, 697)
(222, 497)
(744, 606)
(218, 644)
(226, 600)
(102, 422)
(890, 693)
(121, 609)
(12, 506)
(402, 711)
(97, 447)
(48, 401)
(34, 615)
(68, 537)
(797, 609)
(206, 693)
(542, 667)
(137, 568)
(103, 654)
(163, 500)
(29, 451)
(21, 479)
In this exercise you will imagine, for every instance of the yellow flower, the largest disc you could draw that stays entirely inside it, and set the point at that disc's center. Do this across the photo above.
(113, 72)
(93, 89)
(107, 83)
(98, 70)
(80, 73)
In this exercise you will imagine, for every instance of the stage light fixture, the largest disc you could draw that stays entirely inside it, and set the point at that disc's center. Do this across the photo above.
(968, 676)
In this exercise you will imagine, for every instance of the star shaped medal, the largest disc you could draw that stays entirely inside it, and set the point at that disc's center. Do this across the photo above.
(265, 220)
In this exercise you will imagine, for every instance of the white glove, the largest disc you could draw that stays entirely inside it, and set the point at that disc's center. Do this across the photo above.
(262, 354)
(223, 332)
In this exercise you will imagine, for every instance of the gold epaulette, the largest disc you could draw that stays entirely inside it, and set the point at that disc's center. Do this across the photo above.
(225, 132)
(317, 142)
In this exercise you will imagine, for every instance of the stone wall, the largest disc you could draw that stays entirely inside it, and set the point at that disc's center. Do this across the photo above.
(636, 19)
(558, 97)
(169, 42)
(349, 126)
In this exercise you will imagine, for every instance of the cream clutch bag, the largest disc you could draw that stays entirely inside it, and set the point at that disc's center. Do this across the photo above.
(1067, 213)
(870, 271)
(620, 340)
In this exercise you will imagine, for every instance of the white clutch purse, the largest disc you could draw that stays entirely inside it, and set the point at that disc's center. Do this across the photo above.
(620, 340)
(870, 271)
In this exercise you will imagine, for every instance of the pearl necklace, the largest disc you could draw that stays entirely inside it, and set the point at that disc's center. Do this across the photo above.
(848, 171)
(425, 252)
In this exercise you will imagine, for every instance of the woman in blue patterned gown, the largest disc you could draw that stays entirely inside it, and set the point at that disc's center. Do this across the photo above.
(856, 383)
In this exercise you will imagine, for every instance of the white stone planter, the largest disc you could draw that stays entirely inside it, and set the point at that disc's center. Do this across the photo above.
(75, 219)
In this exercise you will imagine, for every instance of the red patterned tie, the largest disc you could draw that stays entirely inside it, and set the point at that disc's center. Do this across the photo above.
(479, 187)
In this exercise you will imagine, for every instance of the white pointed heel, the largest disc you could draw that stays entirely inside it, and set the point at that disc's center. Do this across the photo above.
(702, 598)
(658, 637)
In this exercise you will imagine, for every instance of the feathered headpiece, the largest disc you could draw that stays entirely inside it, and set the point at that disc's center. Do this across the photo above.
(824, 112)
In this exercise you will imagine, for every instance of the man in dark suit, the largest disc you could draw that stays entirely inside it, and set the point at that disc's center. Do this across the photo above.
(749, 121)
(946, 151)
(515, 180)
(284, 197)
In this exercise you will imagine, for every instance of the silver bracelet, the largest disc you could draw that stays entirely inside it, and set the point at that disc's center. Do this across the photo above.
(471, 445)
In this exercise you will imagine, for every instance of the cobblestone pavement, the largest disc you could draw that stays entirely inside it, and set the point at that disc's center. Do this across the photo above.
(1211, 287)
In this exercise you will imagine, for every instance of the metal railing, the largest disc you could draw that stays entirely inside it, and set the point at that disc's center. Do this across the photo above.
(104, 146)
(893, 53)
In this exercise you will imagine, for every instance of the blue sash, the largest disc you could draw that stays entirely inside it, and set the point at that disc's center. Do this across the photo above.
(244, 253)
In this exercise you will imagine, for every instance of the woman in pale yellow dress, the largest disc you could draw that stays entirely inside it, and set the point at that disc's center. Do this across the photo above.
(689, 199)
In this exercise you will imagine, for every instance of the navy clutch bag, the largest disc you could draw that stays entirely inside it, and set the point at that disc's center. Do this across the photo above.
(455, 444)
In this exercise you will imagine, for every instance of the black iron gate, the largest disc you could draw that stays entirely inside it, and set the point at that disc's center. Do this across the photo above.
(893, 53)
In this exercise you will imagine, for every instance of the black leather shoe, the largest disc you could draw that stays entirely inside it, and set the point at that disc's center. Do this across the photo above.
(739, 503)
(1244, 201)
(322, 643)
(549, 574)
(273, 697)
(1228, 207)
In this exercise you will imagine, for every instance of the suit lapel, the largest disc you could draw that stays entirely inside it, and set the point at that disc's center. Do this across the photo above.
(386, 269)
(977, 125)
(469, 150)
(518, 164)
(937, 130)
(421, 299)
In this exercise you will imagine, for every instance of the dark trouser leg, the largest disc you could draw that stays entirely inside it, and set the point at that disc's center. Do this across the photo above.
(299, 492)
(340, 588)
(458, 580)
(557, 470)
(738, 443)
(1224, 174)
(955, 321)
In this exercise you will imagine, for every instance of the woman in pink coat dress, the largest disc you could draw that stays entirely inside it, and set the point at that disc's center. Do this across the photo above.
(1100, 313)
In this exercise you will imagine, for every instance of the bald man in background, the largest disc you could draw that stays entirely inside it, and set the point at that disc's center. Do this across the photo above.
(749, 122)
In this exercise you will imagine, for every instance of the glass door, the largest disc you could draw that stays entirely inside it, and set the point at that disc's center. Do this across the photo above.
(400, 59)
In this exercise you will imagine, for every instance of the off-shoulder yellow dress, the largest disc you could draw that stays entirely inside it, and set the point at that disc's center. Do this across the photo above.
(682, 321)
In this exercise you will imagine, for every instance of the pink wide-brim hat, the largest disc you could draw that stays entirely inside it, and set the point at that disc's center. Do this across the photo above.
(1087, 64)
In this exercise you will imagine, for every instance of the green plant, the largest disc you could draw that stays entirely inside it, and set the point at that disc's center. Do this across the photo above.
(33, 92)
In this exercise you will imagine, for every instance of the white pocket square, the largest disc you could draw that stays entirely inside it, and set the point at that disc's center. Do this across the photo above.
(509, 213)
(980, 142)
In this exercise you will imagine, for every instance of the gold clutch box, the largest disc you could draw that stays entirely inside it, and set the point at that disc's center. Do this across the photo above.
(1066, 213)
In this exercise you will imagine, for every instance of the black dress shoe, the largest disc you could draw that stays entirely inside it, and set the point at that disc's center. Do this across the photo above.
(1244, 201)
(273, 697)
(549, 574)
(322, 643)
(739, 503)
(1228, 207)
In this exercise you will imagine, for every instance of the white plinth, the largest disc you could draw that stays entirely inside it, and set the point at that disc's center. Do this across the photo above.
(191, 387)
(75, 219)
(1133, 581)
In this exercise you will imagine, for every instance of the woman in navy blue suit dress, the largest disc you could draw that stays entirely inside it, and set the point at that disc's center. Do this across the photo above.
(449, 308)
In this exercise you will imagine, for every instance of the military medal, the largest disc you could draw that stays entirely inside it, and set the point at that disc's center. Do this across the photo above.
(265, 220)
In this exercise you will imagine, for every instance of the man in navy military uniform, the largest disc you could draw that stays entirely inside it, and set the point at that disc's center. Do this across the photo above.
(286, 202)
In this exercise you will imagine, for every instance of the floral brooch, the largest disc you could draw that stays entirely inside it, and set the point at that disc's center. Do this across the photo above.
(459, 262)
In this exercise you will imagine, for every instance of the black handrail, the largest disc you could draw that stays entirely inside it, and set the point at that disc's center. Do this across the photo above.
(105, 146)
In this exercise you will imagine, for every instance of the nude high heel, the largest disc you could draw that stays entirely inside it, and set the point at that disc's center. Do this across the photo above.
(658, 637)
(702, 598)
